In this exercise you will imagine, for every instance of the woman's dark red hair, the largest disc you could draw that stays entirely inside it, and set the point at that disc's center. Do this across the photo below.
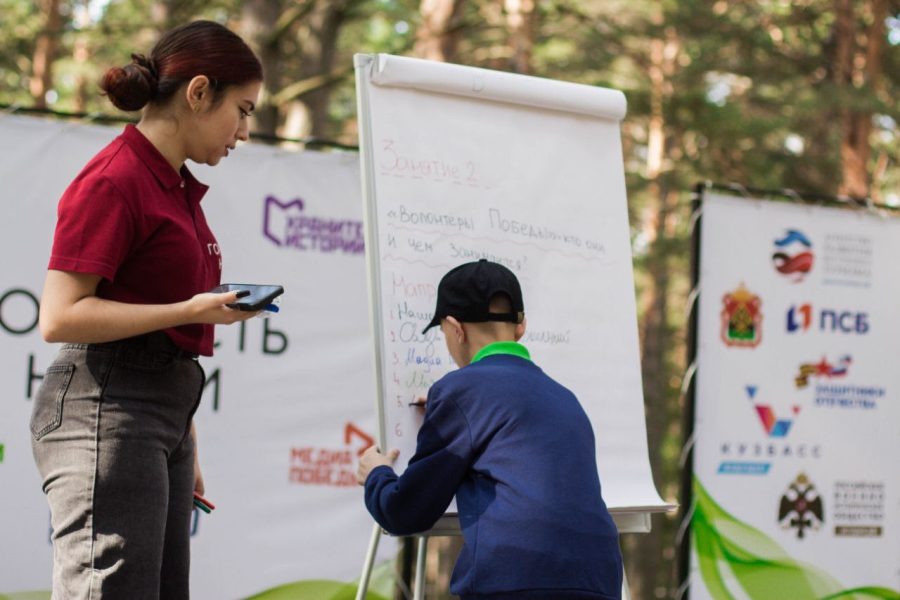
(198, 48)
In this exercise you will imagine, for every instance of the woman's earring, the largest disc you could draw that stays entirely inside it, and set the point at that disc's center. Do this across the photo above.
(197, 107)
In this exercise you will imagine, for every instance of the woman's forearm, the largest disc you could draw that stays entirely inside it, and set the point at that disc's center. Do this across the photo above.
(72, 313)
(93, 320)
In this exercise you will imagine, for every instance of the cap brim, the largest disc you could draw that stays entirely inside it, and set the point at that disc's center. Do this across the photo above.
(435, 321)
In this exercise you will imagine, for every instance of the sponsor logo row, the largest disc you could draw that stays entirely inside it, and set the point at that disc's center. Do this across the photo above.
(742, 319)
(776, 422)
(843, 259)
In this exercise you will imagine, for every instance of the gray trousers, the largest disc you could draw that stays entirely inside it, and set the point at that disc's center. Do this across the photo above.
(111, 439)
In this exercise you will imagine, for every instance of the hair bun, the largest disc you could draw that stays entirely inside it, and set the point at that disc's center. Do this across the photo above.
(131, 87)
(146, 63)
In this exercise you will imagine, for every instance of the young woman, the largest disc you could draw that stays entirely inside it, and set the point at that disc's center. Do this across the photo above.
(127, 293)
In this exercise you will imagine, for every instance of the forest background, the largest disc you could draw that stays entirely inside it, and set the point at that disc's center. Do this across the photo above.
(775, 94)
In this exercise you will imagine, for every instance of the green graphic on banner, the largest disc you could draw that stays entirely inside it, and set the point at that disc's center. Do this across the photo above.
(736, 560)
(314, 590)
(381, 586)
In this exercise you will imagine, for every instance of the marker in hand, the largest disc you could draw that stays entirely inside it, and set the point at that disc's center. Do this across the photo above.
(203, 504)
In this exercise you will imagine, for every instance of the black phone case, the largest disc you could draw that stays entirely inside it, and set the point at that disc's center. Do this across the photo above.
(260, 295)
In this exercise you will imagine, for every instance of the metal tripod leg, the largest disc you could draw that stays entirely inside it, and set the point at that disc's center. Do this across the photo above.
(370, 561)
(419, 586)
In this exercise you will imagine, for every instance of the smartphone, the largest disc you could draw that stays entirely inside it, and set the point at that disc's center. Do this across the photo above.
(260, 296)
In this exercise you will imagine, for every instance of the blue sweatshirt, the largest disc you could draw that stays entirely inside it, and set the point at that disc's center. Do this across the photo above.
(517, 450)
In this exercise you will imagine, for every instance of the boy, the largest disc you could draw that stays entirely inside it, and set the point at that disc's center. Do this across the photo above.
(514, 447)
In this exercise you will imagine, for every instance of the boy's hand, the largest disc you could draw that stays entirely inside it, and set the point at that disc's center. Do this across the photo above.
(372, 458)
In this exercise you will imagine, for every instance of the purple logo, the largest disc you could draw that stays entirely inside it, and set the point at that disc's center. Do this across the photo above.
(287, 225)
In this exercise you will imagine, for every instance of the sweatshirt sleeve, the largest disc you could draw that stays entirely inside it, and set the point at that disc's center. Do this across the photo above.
(414, 501)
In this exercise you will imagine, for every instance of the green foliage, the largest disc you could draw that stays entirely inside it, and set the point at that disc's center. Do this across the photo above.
(21, 23)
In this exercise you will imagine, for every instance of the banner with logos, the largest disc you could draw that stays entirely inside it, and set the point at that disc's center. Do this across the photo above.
(289, 399)
(797, 413)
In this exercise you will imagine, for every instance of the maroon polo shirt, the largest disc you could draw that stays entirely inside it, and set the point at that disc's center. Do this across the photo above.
(132, 219)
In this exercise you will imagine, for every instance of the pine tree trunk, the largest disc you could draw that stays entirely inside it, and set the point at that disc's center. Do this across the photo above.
(44, 54)
(649, 578)
(81, 55)
(438, 36)
(858, 72)
(319, 47)
(646, 577)
(520, 23)
(442, 554)
(258, 25)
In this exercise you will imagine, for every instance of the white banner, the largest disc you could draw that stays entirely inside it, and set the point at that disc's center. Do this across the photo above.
(289, 399)
(796, 487)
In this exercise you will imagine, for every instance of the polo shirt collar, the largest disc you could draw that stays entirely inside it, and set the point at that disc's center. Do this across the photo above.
(513, 348)
(168, 177)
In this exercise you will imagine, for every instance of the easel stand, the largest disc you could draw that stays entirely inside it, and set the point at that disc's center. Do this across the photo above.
(446, 525)
(626, 522)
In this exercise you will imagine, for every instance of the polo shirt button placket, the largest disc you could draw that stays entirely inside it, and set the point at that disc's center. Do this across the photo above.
(181, 184)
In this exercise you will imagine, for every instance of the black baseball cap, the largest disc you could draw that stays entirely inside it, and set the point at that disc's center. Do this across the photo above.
(465, 293)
